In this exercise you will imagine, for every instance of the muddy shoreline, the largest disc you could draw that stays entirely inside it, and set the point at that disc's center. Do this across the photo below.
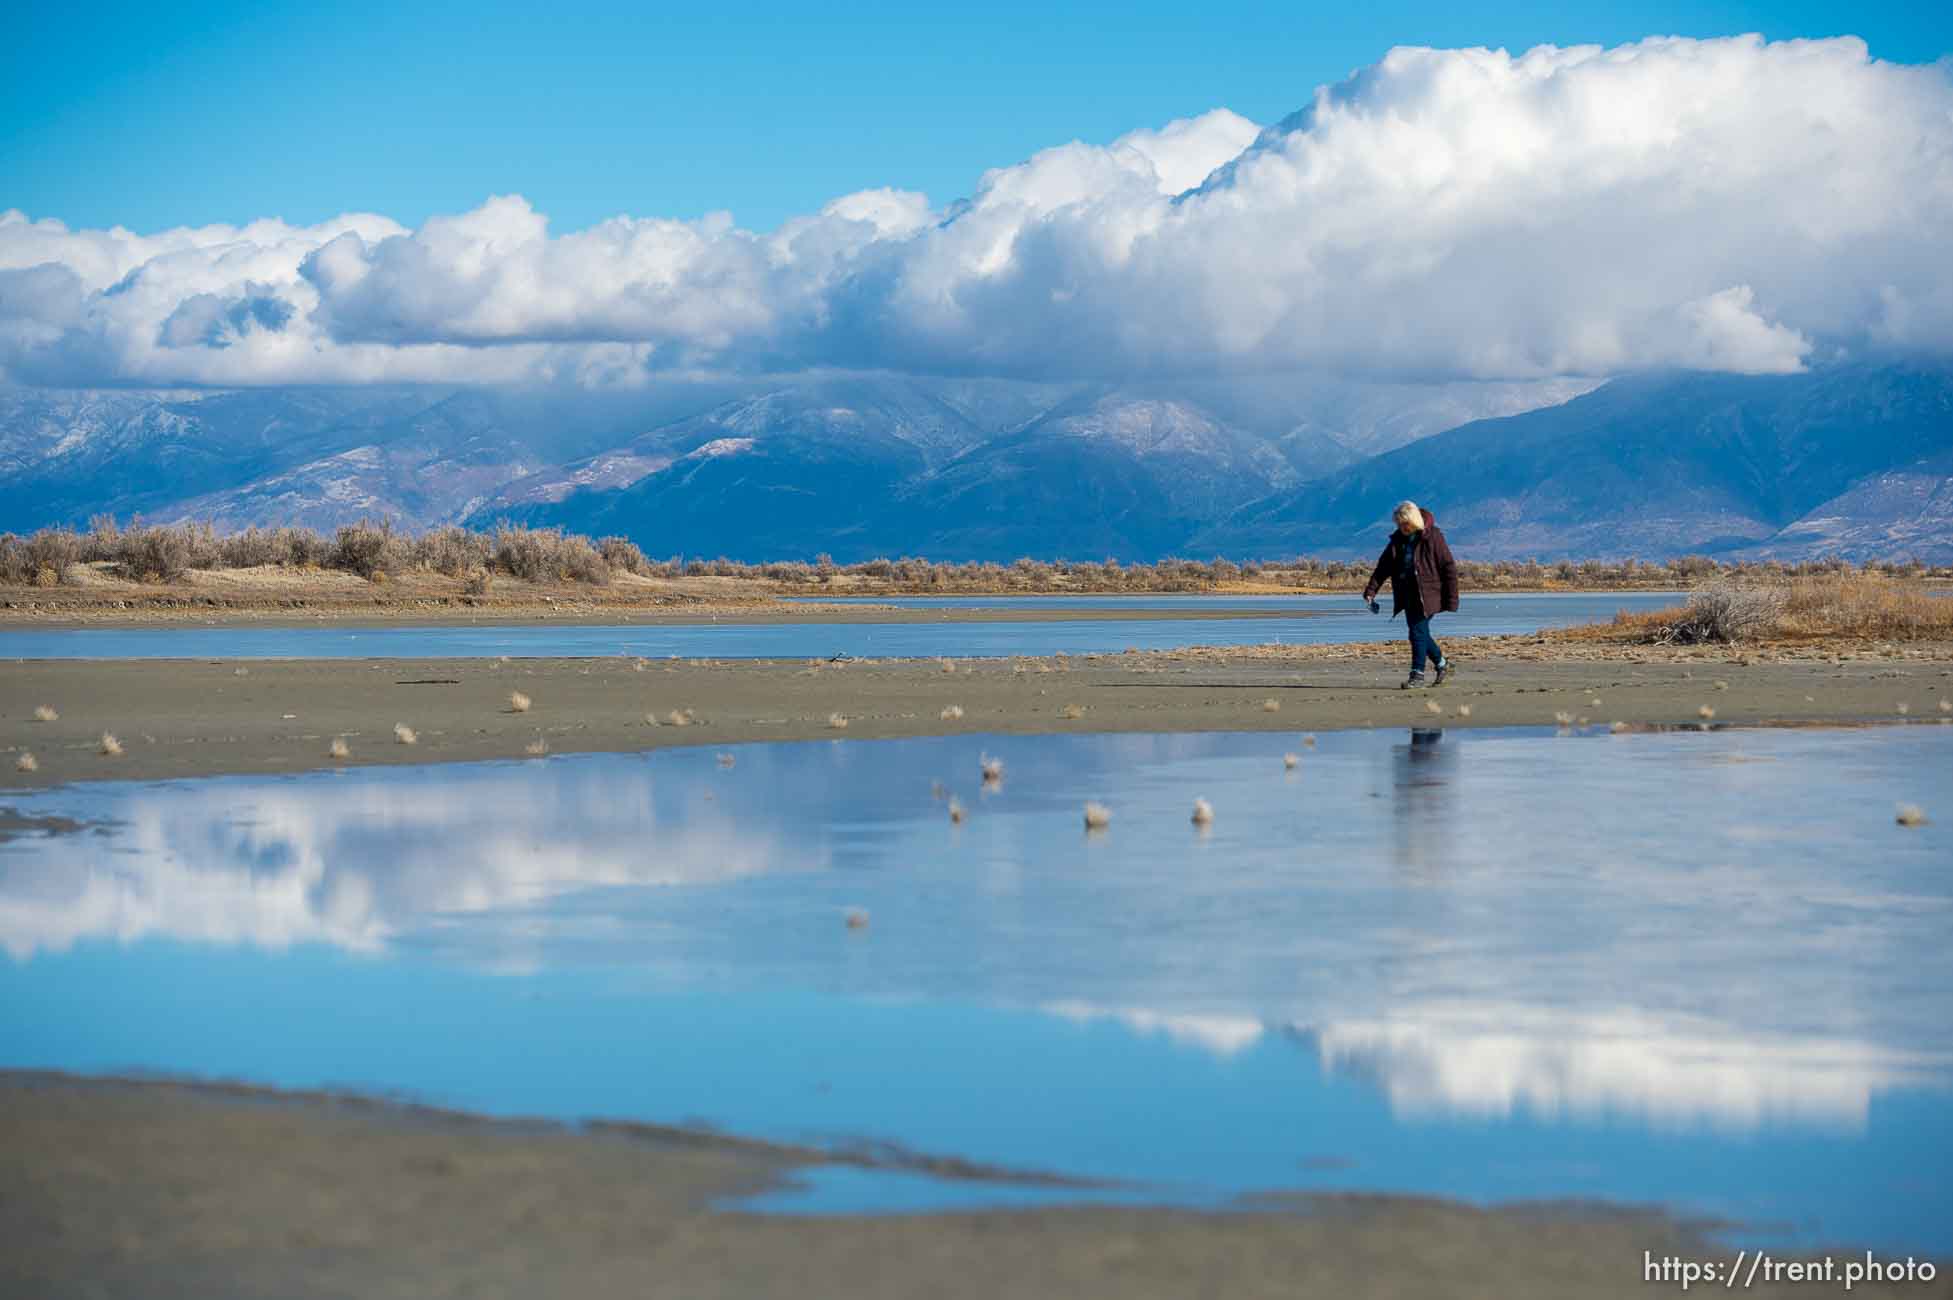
(177, 1189)
(184, 718)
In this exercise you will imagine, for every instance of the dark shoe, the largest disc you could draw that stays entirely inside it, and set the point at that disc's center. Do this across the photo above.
(1443, 670)
(1414, 682)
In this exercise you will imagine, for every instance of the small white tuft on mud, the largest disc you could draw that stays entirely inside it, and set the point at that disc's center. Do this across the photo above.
(405, 734)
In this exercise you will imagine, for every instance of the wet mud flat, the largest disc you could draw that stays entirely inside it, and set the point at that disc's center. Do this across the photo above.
(186, 718)
(164, 1189)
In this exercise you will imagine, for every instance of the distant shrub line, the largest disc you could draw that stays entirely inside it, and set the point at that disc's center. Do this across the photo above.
(161, 552)
(375, 551)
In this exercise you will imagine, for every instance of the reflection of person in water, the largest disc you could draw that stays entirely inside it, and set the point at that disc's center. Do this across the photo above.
(1422, 772)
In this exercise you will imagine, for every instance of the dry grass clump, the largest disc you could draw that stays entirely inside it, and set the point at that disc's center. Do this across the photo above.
(949, 665)
(26, 763)
(1864, 603)
(1464, 710)
(536, 748)
(1432, 706)
(837, 721)
(1072, 712)
(1097, 816)
(1706, 712)
(1271, 706)
(45, 713)
(339, 748)
(953, 713)
(676, 718)
(1841, 602)
(518, 702)
(405, 734)
(111, 747)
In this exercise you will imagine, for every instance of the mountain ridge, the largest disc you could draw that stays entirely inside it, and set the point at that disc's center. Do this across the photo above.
(1852, 459)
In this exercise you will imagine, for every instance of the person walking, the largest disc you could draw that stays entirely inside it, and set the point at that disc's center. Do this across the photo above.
(1423, 579)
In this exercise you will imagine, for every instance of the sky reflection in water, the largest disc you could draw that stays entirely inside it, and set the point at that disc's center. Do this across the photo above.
(1704, 970)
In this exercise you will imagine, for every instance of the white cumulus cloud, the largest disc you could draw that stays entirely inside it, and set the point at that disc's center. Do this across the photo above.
(1723, 205)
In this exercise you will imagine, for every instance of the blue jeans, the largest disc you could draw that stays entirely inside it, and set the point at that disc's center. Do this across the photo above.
(1423, 646)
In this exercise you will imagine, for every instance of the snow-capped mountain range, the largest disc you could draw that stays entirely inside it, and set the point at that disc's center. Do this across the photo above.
(1850, 460)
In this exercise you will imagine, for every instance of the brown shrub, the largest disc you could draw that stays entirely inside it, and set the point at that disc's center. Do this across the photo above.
(452, 551)
(621, 555)
(155, 554)
(368, 549)
(251, 549)
(53, 548)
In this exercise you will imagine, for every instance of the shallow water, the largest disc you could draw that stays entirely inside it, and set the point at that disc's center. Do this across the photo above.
(1704, 969)
(1295, 620)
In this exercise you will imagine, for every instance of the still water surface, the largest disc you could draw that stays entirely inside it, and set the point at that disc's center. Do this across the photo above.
(1700, 970)
(1293, 620)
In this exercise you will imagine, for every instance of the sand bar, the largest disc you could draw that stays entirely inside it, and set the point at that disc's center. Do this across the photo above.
(176, 718)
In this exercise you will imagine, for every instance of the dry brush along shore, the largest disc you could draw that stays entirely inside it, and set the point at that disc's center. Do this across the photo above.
(152, 569)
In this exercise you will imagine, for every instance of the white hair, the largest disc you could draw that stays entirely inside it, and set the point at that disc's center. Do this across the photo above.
(1409, 512)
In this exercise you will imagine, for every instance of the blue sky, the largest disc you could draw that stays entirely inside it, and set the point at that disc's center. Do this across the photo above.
(151, 116)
